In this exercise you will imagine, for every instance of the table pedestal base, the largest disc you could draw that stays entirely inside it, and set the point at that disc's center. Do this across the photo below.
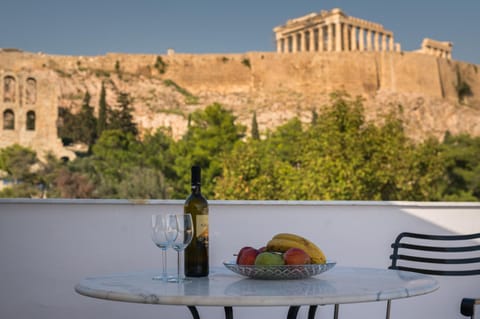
(292, 312)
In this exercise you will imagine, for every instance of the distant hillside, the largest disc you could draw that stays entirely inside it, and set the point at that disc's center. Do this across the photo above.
(432, 95)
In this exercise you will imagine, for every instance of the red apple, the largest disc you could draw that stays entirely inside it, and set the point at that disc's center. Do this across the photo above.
(296, 256)
(247, 255)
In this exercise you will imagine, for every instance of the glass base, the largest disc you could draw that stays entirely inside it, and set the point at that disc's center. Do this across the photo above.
(178, 280)
(162, 278)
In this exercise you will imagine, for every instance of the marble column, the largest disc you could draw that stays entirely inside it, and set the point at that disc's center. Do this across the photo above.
(361, 39)
(375, 41)
(312, 39)
(303, 46)
(369, 40)
(353, 38)
(279, 45)
(391, 43)
(384, 42)
(330, 38)
(321, 40)
(345, 37)
(338, 37)
(294, 42)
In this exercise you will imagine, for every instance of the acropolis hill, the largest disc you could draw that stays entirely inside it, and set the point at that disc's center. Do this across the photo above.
(340, 53)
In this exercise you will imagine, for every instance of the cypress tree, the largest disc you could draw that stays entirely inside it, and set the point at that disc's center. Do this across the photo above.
(122, 118)
(102, 112)
(255, 132)
(87, 122)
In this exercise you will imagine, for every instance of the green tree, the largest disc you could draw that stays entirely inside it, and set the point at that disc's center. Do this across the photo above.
(120, 168)
(210, 137)
(314, 116)
(462, 158)
(121, 118)
(19, 163)
(87, 123)
(67, 125)
(340, 157)
(71, 184)
(102, 111)
(255, 132)
(157, 152)
(249, 173)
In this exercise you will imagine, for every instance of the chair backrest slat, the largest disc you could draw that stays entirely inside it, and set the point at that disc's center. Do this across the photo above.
(439, 272)
(443, 261)
(412, 252)
(439, 249)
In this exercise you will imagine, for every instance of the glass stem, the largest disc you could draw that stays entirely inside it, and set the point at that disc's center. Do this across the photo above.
(178, 266)
(164, 263)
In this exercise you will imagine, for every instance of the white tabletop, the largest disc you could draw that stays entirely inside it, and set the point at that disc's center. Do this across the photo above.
(223, 288)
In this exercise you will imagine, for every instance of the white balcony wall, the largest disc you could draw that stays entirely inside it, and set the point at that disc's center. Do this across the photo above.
(47, 246)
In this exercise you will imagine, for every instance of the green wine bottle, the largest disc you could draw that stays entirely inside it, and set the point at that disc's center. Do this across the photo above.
(196, 254)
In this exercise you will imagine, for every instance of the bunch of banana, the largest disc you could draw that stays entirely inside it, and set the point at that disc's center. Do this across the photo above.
(284, 241)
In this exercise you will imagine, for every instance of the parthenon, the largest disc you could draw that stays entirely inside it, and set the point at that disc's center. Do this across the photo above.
(333, 31)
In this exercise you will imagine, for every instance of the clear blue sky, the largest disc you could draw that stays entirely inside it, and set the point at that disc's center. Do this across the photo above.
(90, 27)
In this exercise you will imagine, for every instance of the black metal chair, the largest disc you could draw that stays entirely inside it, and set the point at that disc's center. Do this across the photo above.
(441, 255)
(467, 307)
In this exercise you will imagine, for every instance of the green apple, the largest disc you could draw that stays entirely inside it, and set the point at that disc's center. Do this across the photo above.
(269, 259)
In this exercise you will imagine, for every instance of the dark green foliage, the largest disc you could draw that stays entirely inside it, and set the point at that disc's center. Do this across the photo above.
(102, 111)
(462, 158)
(255, 132)
(338, 156)
(87, 130)
(21, 168)
(121, 118)
(66, 125)
(341, 157)
(17, 161)
(118, 69)
(246, 62)
(314, 117)
(160, 65)
(80, 127)
(189, 97)
(211, 136)
(134, 169)
(462, 87)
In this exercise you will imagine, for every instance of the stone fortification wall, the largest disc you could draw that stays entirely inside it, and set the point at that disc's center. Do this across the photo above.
(361, 73)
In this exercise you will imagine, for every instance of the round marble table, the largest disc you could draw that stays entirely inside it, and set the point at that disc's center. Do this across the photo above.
(223, 288)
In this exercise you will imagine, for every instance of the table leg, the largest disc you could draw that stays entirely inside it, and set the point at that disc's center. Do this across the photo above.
(292, 312)
(335, 311)
(228, 312)
(311, 311)
(194, 312)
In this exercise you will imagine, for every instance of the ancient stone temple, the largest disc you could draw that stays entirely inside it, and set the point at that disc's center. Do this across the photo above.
(442, 49)
(333, 31)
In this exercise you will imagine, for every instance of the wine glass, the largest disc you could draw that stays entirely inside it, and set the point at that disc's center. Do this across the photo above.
(184, 227)
(164, 232)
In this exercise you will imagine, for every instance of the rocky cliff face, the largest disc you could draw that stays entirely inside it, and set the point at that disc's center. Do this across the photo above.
(165, 88)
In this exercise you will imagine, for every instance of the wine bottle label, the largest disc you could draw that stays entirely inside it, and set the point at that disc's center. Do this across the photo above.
(202, 229)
